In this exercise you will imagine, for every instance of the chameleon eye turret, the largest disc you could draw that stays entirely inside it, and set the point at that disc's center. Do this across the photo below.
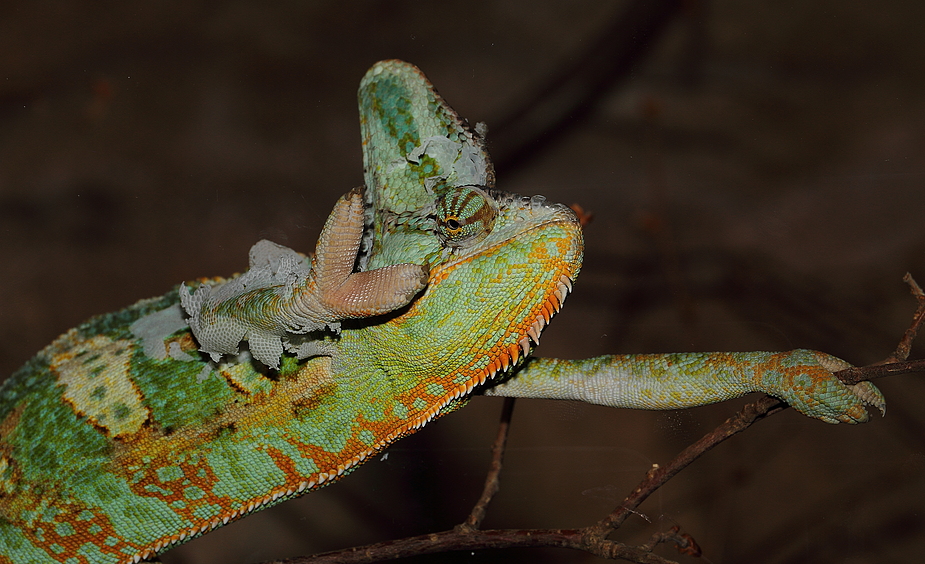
(465, 216)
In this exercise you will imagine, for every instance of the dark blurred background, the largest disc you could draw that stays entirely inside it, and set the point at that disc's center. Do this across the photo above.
(755, 175)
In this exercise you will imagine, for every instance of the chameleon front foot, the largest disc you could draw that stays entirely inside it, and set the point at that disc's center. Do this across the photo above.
(282, 294)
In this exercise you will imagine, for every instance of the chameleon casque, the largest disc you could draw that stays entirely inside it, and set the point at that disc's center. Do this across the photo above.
(147, 427)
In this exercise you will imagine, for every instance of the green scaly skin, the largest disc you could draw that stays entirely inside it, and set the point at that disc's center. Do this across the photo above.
(121, 439)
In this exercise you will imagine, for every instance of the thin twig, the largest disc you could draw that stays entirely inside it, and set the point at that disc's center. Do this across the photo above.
(857, 374)
(683, 541)
(896, 363)
(905, 344)
(492, 480)
(658, 475)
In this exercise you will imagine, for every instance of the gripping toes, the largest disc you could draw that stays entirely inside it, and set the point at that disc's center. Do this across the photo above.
(805, 380)
(335, 292)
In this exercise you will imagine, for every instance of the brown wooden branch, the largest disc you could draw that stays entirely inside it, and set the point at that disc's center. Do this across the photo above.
(896, 363)
(447, 541)
(492, 480)
(658, 475)
(593, 539)
(905, 344)
(504, 538)
(857, 374)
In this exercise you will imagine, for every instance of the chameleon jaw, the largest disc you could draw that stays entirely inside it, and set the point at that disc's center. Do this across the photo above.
(515, 353)
(509, 357)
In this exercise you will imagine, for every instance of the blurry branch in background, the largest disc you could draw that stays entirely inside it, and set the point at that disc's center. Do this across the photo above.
(593, 538)
(573, 92)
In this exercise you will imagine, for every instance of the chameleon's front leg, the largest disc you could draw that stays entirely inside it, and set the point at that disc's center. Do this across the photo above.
(283, 294)
(802, 378)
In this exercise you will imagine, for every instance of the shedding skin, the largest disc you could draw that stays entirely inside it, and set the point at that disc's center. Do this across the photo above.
(280, 295)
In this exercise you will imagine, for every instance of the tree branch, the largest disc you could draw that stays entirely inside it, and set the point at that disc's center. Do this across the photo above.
(861, 373)
(492, 480)
(896, 363)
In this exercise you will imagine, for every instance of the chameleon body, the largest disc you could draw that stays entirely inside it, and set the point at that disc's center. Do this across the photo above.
(123, 438)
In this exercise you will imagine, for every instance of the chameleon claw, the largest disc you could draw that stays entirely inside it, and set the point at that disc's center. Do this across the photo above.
(870, 395)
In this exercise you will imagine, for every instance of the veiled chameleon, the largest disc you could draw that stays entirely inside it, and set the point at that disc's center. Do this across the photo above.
(123, 438)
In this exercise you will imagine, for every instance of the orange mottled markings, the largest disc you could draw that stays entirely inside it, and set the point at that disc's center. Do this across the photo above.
(321, 457)
(285, 464)
(244, 379)
(184, 485)
(10, 422)
(10, 476)
(167, 467)
(271, 408)
(9, 472)
(72, 527)
(275, 408)
(538, 254)
(366, 437)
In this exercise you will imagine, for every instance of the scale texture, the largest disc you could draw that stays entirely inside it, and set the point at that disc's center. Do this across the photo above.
(128, 435)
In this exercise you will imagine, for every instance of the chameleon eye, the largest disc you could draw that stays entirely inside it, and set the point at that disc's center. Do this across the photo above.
(465, 216)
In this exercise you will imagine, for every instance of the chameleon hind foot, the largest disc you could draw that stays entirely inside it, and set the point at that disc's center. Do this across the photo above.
(805, 380)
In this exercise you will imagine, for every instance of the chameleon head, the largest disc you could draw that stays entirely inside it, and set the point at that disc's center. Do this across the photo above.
(500, 266)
